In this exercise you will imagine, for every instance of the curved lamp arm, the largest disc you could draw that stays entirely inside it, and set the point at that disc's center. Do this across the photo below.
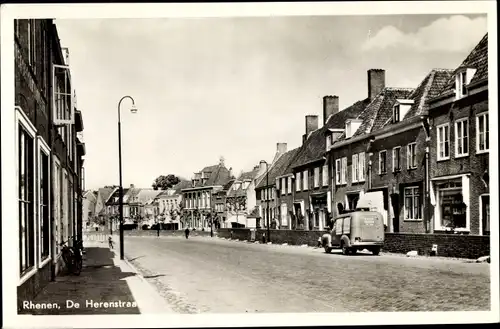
(134, 109)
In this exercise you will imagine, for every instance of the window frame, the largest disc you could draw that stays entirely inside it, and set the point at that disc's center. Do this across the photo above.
(410, 157)
(298, 182)
(324, 176)
(305, 180)
(486, 133)
(420, 205)
(461, 123)
(316, 177)
(44, 148)
(290, 185)
(354, 167)
(23, 122)
(338, 171)
(396, 112)
(439, 142)
(380, 162)
(361, 167)
(394, 168)
(344, 170)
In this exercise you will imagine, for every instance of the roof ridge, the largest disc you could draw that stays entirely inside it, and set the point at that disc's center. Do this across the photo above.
(397, 89)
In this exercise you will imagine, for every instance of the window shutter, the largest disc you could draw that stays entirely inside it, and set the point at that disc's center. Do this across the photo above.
(305, 179)
(362, 167)
(344, 170)
(354, 168)
(62, 96)
(325, 175)
(316, 177)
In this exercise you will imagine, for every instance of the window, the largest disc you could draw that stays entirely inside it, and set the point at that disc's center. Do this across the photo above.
(483, 132)
(461, 84)
(355, 169)
(396, 159)
(338, 172)
(44, 216)
(361, 165)
(461, 137)
(382, 162)
(395, 113)
(290, 185)
(26, 192)
(413, 209)
(344, 170)
(443, 141)
(316, 177)
(297, 182)
(412, 156)
(62, 97)
(485, 213)
(284, 214)
(325, 175)
(305, 180)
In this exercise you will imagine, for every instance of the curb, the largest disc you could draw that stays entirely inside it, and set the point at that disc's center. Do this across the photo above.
(165, 308)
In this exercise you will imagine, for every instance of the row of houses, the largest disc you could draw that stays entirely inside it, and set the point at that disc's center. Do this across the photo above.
(424, 149)
(141, 206)
(49, 152)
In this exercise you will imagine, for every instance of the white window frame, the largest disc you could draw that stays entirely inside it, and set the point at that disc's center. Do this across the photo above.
(396, 112)
(413, 195)
(461, 84)
(482, 116)
(461, 122)
(324, 177)
(394, 168)
(338, 171)
(44, 148)
(481, 214)
(316, 177)
(380, 162)
(22, 119)
(71, 119)
(354, 167)
(344, 170)
(438, 140)
(298, 184)
(409, 156)
(290, 191)
(305, 179)
(361, 167)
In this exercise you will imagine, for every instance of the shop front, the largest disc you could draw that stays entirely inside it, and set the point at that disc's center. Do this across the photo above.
(451, 202)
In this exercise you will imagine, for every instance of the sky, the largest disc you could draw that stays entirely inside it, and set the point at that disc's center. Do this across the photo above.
(235, 87)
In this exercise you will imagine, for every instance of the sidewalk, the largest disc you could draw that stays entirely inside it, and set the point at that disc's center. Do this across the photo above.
(106, 285)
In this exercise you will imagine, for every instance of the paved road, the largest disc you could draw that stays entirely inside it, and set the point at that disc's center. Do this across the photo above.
(210, 275)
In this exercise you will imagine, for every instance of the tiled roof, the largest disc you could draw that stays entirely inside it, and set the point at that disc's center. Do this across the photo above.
(181, 185)
(145, 195)
(315, 146)
(130, 195)
(478, 59)
(429, 88)
(227, 186)
(105, 192)
(116, 194)
(219, 176)
(278, 168)
(249, 175)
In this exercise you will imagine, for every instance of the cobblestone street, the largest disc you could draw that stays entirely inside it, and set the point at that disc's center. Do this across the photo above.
(210, 275)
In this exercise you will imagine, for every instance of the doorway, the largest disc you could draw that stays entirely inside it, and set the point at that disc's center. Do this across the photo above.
(485, 214)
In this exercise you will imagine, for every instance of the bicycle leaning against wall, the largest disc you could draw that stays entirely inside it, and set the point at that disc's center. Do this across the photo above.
(72, 257)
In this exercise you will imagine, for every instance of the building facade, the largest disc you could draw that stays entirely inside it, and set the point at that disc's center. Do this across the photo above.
(89, 209)
(49, 153)
(197, 199)
(459, 149)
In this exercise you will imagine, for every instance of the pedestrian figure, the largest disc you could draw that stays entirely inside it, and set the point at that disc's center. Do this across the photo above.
(186, 232)
(110, 242)
(319, 242)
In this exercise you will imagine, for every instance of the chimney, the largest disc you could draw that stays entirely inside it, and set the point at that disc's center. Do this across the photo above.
(330, 107)
(131, 185)
(376, 82)
(281, 148)
(263, 165)
(230, 172)
(304, 138)
(311, 123)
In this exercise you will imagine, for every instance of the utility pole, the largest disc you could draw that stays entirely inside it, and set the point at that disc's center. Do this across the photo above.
(268, 213)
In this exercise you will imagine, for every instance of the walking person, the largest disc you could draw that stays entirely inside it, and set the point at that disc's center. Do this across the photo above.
(186, 232)
(110, 242)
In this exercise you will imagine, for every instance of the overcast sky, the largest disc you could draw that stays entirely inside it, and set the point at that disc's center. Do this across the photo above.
(234, 87)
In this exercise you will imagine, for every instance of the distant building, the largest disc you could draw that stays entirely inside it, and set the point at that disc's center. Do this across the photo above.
(89, 209)
(168, 204)
(197, 199)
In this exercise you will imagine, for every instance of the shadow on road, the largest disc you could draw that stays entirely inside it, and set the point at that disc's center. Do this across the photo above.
(153, 276)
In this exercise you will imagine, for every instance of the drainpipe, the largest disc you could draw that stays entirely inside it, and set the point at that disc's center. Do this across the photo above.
(370, 171)
(428, 223)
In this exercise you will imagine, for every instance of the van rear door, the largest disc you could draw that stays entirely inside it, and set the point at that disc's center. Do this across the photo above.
(372, 227)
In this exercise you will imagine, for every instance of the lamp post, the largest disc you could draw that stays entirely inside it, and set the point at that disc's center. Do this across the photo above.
(268, 213)
(133, 110)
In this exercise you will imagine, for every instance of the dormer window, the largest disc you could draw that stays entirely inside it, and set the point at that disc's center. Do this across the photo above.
(400, 108)
(462, 80)
(395, 113)
(351, 126)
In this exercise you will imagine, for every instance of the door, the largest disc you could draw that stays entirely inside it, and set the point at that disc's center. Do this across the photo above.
(485, 214)
(352, 200)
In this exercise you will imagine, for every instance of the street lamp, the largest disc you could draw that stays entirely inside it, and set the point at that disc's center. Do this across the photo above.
(133, 110)
(268, 212)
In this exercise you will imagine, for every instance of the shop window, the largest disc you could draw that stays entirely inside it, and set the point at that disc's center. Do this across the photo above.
(451, 205)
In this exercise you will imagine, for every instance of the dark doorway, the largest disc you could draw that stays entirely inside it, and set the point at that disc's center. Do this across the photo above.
(485, 214)
(352, 200)
(395, 206)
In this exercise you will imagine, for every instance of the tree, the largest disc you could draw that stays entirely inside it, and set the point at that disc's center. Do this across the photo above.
(163, 182)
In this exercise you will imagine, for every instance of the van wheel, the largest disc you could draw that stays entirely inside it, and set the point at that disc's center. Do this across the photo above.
(376, 251)
(328, 250)
(345, 250)
(354, 251)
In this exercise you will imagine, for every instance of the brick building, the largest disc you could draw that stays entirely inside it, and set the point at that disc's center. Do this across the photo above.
(197, 199)
(459, 148)
(220, 206)
(49, 153)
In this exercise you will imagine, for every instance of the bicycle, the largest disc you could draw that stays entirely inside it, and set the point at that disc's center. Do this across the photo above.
(72, 257)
